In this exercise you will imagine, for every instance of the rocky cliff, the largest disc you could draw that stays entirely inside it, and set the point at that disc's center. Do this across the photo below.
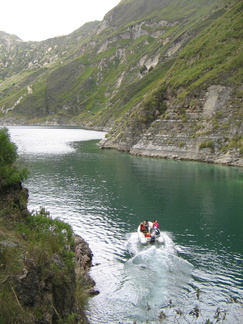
(196, 113)
(44, 267)
(208, 132)
(40, 283)
(164, 79)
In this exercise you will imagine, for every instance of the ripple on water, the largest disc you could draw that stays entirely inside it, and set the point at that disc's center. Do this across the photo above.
(103, 194)
(143, 283)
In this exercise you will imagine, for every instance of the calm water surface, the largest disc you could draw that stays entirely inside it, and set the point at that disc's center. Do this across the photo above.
(105, 194)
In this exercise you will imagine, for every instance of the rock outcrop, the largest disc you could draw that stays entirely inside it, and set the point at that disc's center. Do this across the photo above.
(191, 131)
(196, 133)
(83, 263)
(38, 285)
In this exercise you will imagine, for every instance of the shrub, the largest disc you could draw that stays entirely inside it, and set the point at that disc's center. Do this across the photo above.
(52, 235)
(9, 173)
(207, 144)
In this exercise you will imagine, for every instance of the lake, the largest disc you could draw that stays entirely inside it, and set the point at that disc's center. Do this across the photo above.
(105, 194)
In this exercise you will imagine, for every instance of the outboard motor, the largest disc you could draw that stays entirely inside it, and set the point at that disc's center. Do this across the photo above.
(152, 239)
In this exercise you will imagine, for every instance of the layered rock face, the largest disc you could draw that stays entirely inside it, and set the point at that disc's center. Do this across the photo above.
(206, 131)
(197, 133)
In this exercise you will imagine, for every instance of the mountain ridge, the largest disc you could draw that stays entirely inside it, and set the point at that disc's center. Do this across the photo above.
(104, 76)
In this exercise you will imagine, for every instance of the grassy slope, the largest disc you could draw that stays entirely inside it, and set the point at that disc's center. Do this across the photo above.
(83, 86)
(213, 57)
(132, 90)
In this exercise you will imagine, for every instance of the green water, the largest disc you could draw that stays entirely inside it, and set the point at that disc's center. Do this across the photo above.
(105, 194)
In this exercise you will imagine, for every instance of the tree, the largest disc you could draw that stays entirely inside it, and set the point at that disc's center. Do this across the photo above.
(10, 174)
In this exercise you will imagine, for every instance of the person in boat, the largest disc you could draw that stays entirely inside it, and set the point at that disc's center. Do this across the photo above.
(155, 229)
(147, 225)
(155, 224)
(143, 227)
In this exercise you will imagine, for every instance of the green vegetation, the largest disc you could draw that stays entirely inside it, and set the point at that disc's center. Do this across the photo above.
(213, 54)
(81, 83)
(10, 174)
(234, 142)
(41, 247)
(37, 264)
(207, 144)
(48, 235)
(145, 61)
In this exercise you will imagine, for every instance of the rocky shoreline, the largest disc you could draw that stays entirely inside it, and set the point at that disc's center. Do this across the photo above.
(83, 263)
(206, 129)
(40, 285)
(203, 156)
(154, 143)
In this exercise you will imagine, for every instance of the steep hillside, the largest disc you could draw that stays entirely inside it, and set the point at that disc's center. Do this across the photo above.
(105, 73)
(196, 112)
(44, 267)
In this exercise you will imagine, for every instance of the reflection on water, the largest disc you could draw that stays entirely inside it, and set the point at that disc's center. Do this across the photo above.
(45, 140)
(105, 194)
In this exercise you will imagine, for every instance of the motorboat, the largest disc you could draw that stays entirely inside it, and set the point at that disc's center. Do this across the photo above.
(151, 235)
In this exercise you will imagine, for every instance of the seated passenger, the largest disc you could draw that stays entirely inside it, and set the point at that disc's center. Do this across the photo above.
(146, 223)
(155, 224)
(143, 227)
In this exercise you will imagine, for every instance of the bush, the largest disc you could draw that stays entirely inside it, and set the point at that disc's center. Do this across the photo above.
(207, 144)
(9, 173)
(8, 150)
(49, 236)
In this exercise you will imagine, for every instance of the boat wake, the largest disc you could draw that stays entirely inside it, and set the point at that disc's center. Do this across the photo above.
(154, 275)
(134, 246)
